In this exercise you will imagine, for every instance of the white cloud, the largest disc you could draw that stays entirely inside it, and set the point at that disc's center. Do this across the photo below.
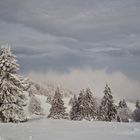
(122, 86)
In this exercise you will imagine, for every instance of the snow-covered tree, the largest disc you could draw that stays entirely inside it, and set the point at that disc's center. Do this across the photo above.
(88, 105)
(35, 106)
(75, 112)
(11, 88)
(57, 110)
(107, 110)
(80, 103)
(84, 107)
(123, 112)
(136, 113)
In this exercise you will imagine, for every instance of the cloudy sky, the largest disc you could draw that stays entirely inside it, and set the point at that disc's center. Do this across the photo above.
(66, 35)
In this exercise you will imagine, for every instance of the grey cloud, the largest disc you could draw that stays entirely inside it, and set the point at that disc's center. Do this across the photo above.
(60, 35)
(62, 63)
(135, 52)
(115, 53)
(84, 20)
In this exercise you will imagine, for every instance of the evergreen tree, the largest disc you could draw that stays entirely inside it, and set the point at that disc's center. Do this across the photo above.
(11, 89)
(75, 112)
(136, 113)
(57, 110)
(107, 109)
(84, 107)
(122, 104)
(81, 106)
(89, 106)
(123, 112)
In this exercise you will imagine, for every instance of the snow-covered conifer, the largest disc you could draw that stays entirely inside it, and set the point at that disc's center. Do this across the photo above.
(35, 106)
(8, 63)
(107, 109)
(80, 103)
(75, 112)
(11, 89)
(122, 104)
(57, 110)
(90, 105)
(136, 113)
(123, 112)
(85, 106)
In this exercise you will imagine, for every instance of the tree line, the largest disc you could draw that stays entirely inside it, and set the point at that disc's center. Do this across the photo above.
(86, 107)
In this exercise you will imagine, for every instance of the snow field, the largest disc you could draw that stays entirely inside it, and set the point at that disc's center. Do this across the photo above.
(47, 129)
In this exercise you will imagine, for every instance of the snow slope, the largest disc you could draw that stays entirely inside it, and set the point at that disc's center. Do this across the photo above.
(47, 129)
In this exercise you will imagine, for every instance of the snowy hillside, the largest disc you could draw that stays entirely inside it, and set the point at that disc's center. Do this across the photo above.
(47, 129)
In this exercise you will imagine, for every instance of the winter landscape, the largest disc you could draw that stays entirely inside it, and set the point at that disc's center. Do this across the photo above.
(69, 70)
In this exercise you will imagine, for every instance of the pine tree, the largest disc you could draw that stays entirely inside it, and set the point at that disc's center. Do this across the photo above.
(11, 89)
(90, 105)
(87, 105)
(75, 112)
(123, 112)
(107, 109)
(84, 107)
(122, 104)
(81, 106)
(136, 113)
(57, 110)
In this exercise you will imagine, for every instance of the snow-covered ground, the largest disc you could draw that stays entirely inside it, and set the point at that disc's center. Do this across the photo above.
(47, 129)
(41, 128)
